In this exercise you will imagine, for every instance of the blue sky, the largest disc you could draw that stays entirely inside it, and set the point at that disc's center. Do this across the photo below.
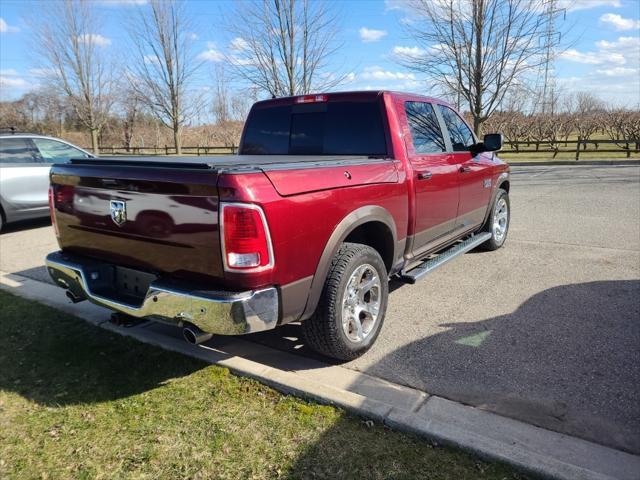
(603, 57)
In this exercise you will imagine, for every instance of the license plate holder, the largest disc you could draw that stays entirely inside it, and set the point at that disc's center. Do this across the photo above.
(133, 283)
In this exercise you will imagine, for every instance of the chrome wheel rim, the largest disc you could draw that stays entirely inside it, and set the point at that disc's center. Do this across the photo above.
(361, 303)
(500, 220)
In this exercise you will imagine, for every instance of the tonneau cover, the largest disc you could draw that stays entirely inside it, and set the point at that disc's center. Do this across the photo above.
(225, 161)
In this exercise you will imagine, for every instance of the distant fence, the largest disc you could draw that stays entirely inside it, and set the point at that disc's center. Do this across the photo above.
(166, 150)
(574, 146)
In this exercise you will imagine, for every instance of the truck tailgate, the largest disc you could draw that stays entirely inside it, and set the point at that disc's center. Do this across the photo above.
(158, 218)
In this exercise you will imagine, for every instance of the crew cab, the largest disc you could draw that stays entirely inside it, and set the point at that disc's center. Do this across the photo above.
(329, 197)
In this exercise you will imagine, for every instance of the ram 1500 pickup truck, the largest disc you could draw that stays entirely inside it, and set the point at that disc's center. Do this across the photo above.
(329, 196)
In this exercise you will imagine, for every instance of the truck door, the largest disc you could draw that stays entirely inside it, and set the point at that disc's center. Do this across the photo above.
(474, 172)
(435, 178)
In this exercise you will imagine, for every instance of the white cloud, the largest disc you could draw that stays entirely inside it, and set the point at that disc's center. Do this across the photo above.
(408, 51)
(211, 55)
(378, 73)
(396, 4)
(193, 36)
(612, 70)
(95, 39)
(9, 80)
(619, 22)
(592, 58)
(623, 91)
(618, 72)
(573, 5)
(623, 51)
(368, 35)
(238, 44)
(623, 44)
(42, 72)
(6, 28)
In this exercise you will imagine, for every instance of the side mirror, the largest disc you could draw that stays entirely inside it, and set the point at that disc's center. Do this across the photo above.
(492, 142)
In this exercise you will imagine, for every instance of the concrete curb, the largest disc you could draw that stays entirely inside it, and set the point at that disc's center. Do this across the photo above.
(572, 163)
(532, 449)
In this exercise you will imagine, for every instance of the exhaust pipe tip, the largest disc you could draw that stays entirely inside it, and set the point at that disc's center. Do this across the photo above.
(194, 335)
(73, 297)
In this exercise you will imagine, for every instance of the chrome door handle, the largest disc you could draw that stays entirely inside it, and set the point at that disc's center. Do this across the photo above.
(465, 169)
(424, 175)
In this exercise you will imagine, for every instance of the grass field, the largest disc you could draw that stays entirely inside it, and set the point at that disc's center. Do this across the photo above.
(80, 402)
(564, 156)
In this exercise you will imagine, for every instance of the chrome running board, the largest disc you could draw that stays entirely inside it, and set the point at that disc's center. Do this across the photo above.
(429, 265)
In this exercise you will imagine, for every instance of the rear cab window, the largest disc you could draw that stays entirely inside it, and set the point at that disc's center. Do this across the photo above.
(334, 127)
(18, 151)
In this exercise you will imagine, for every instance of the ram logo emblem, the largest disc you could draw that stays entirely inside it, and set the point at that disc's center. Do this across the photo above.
(118, 209)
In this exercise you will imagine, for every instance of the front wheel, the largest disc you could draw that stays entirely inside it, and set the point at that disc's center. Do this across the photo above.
(498, 222)
(352, 305)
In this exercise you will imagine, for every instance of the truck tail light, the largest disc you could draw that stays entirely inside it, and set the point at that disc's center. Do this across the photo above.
(60, 198)
(312, 98)
(52, 212)
(246, 244)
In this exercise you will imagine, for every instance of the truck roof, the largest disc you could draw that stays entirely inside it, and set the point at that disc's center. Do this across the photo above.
(353, 95)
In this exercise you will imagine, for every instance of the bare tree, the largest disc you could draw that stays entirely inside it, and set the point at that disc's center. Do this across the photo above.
(130, 106)
(588, 113)
(477, 49)
(69, 45)
(221, 96)
(230, 105)
(283, 46)
(165, 64)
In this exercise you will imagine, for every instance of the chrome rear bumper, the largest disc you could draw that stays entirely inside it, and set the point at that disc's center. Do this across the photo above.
(217, 312)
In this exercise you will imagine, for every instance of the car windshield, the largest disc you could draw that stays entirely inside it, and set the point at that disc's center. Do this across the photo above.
(325, 128)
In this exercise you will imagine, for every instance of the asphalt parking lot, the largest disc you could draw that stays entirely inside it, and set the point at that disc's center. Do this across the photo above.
(546, 330)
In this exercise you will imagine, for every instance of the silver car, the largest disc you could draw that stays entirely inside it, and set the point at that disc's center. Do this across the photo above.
(25, 161)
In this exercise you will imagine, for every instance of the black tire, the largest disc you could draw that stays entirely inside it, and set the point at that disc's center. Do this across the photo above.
(323, 331)
(495, 242)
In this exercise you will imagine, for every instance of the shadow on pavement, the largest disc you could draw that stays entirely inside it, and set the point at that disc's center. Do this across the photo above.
(26, 225)
(568, 359)
(36, 273)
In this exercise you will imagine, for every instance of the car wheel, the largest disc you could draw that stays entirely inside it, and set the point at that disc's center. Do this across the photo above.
(498, 222)
(352, 306)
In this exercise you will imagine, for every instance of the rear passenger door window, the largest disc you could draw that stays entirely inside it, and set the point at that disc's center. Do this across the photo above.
(460, 134)
(18, 151)
(425, 129)
(53, 151)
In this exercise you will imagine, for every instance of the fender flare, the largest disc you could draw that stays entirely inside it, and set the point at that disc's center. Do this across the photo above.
(504, 176)
(360, 216)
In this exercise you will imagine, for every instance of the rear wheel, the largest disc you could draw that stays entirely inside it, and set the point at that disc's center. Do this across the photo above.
(352, 306)
(498, 222)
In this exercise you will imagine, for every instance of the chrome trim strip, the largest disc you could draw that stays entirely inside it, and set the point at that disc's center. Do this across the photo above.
(216, 312)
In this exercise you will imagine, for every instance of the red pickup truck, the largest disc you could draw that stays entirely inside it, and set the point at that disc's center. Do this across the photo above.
(330, 196)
